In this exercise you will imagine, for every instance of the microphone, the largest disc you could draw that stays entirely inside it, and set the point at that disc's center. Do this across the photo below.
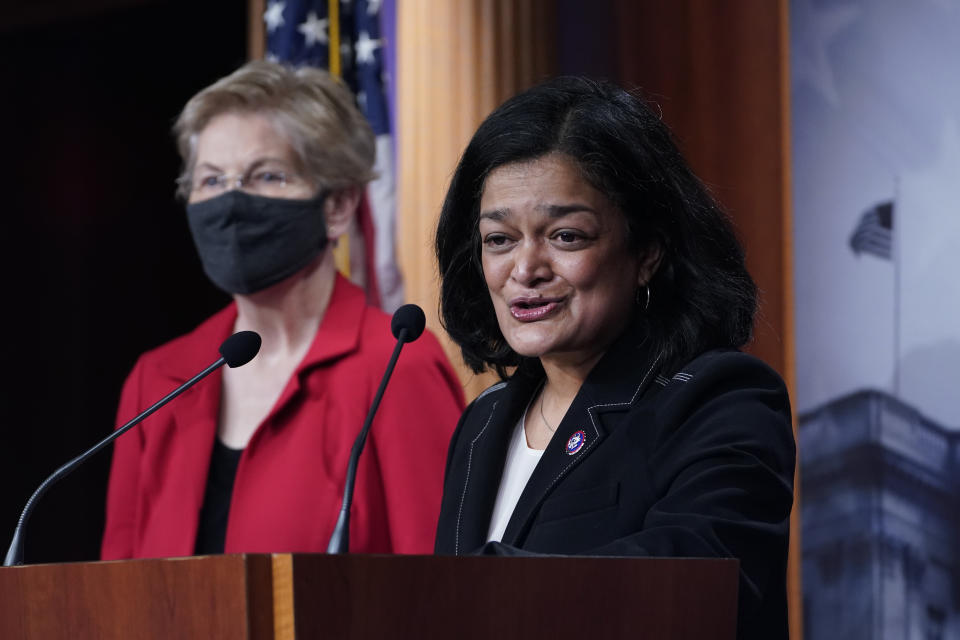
(407, 325)
(236, 351)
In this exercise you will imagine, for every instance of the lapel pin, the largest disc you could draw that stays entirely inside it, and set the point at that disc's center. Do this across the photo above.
(576, 442)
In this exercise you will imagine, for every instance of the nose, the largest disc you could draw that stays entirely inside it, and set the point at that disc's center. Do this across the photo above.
(235, 181)
(531, 263)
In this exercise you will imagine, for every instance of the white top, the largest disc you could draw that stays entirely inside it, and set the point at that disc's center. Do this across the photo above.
(521, 460)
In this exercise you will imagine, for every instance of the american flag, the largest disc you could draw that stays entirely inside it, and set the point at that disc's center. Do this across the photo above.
(344, 36)
(874, 232)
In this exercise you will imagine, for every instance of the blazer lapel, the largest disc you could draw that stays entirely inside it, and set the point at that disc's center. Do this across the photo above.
(486, 455)
(576, 436)
(613, 386)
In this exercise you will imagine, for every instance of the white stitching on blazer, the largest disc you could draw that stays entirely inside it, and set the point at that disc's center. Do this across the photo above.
(491, 389)
(456, 544)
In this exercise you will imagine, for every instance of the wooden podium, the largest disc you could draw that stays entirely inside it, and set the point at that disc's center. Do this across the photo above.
(285, 596)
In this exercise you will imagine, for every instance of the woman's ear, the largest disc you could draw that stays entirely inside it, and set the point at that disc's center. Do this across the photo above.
(339, 208)
(649, 263)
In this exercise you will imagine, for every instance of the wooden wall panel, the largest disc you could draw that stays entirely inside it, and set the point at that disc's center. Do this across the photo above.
(719, 70)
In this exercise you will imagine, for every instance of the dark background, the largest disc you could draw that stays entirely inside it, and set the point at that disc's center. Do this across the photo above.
(97, 262)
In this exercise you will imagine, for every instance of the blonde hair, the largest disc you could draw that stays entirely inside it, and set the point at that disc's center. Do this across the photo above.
(315, 111)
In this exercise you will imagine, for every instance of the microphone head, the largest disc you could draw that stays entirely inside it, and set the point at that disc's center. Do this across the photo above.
(411, 318)
(240, 348)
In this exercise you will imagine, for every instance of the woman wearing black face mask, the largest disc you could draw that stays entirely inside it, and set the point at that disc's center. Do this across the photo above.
(274, 166)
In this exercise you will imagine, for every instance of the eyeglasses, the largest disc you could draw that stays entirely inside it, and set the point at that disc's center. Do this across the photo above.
(265, 182)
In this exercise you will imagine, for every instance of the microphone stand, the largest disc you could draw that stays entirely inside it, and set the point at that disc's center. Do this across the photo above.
(340, 540)
(15, 552)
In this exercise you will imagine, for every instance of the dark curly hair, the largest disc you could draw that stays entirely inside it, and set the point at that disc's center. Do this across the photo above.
(702, 295)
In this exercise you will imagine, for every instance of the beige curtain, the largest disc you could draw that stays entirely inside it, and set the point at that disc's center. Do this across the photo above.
(457, 61)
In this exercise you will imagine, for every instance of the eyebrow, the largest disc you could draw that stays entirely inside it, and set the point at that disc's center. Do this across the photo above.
(552, 210)
(208, 165)
(259, 162)
(560, 210)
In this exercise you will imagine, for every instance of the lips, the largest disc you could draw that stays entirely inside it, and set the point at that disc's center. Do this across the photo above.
(533, 309)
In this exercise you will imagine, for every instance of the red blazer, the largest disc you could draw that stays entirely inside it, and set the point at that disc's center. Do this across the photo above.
(287, 492)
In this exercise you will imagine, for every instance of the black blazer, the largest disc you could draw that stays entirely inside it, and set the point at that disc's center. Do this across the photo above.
(699, 464)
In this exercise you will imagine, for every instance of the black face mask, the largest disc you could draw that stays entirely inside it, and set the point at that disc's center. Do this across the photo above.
(248, 242)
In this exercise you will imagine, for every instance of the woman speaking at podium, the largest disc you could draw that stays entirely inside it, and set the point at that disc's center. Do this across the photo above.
(627, 422)
(254, 459)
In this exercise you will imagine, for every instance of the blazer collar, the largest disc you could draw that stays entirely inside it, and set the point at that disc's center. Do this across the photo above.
(610, 390)
(186, 356)
(196, 412)
(338, 335)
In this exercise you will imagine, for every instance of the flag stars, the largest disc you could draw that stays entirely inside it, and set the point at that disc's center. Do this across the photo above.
(373, 7)
(273, 16)
(365, 47)
(314, 29)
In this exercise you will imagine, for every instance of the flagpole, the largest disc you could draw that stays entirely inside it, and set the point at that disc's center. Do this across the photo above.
(896, 221)
(256, 33)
